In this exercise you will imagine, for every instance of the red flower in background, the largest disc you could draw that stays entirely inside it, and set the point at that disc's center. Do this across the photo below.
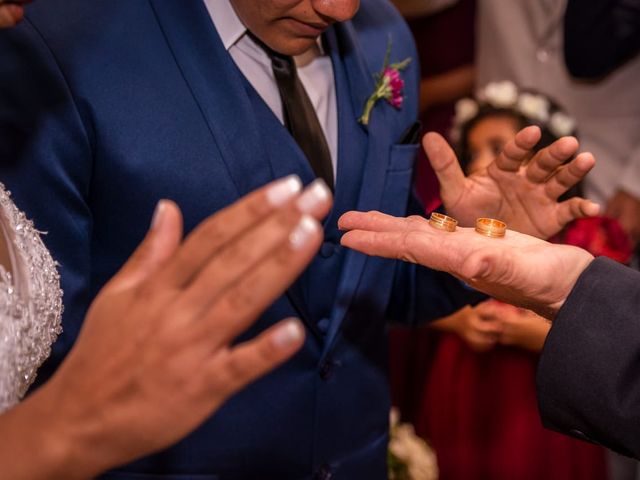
(600, 236)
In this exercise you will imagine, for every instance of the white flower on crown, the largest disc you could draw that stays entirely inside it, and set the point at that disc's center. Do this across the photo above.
(505, 95)
(561, 124)
(500, 94)
(466, 109)
(534, 107)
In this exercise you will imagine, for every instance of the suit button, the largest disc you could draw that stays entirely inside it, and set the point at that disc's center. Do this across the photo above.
(578, 434)
(327, 249)
(326, 370)
(323, 473)
(323, 325)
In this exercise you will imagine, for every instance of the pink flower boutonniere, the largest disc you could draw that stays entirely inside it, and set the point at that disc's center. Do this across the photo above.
(389, 86)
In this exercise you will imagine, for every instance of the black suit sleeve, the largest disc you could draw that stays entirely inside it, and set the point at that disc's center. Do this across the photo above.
(589, 370)
(600, 35)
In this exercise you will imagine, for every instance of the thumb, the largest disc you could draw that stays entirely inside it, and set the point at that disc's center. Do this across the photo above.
(160, 243)
(446, 166)
(489, 309)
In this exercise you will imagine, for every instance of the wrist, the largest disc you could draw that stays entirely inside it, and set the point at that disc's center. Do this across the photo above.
(34, 444)
(574, 268)
(60, 434)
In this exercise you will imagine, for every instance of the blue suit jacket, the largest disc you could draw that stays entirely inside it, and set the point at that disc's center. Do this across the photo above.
(107, 106)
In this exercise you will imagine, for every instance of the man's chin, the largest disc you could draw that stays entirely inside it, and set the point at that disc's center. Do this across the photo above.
(293, 45)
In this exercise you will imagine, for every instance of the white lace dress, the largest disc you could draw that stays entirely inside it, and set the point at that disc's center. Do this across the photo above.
(30, 303)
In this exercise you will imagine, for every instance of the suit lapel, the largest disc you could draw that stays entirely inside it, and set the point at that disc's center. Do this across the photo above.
(346, 50)
(347, 55)
(217, 85)
(222, 92)
(276, 143)
(285, 157)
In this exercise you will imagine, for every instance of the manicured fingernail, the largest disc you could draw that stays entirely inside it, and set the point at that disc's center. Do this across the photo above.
(158, 214)
(304, 232)
(283, 190)
(315, 195)
(288, 334)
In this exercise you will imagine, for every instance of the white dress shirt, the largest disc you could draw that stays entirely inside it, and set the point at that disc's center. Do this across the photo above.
(315, 71)
(522, 41)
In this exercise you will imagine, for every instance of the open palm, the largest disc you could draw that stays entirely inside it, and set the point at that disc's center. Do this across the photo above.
(519, 269)
(521, 187)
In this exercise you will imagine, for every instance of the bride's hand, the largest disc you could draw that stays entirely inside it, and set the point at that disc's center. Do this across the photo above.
(156, 357)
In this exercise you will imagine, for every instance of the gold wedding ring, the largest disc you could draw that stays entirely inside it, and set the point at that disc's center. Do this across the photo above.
(443, 222)
(491, 227)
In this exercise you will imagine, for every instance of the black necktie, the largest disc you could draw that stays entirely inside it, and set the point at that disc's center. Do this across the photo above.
(299, 115)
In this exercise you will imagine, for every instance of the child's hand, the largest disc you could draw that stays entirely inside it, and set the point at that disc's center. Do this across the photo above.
(478, 326)
(522, 328)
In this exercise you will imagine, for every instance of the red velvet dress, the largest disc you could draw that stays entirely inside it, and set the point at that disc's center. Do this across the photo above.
(479, 410)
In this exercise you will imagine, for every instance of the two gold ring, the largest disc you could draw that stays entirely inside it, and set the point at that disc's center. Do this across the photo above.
(443, 222)
(490, 227)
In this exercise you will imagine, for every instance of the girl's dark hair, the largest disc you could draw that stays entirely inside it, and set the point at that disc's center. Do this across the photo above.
(486, 110)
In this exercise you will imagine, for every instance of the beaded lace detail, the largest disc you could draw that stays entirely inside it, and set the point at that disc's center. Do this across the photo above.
(30, 304)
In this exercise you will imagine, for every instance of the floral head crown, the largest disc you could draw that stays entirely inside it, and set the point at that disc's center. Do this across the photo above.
(535, 107)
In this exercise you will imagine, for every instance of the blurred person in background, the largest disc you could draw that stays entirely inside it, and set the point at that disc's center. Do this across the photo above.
(523, 41)
(602, 37)
(478, 404)
(447, 75)
(446, 72)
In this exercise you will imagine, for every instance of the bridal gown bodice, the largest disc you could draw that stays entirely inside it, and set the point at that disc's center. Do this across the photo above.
(30, 303)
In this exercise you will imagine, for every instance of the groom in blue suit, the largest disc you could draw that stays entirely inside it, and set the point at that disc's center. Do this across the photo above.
(107, 106)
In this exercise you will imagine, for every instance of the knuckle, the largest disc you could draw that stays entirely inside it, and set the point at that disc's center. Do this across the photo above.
(147, 292)
(239, 370)
(283, 255)
(243, 297)
(234, 252)
(213, 230)
(222, 376)
(415, 221)
(410, 243)
(287, 218)
(258, 207)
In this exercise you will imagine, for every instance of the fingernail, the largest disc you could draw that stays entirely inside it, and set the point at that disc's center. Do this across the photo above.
(304, 232)
(288, 334)
(283, 190)
(158, 214)
(315, 195)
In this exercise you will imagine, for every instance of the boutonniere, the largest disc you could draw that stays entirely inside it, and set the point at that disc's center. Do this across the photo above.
(389, 85)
